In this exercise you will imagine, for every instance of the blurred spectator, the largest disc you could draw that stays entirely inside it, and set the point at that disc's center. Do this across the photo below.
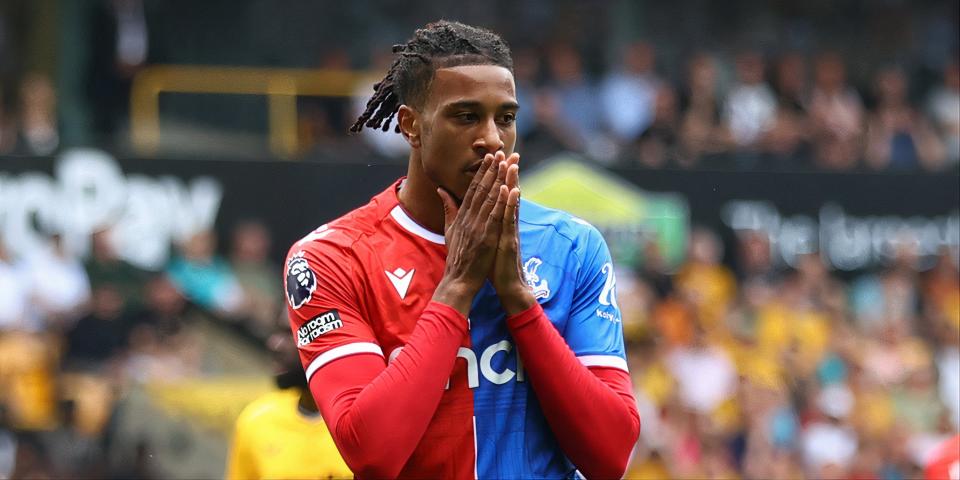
(943, 106)
(323, 120)
(705, 375)
(786, 140)
(204, 277)
(14, 292)
(569, 102)
(256, 275)
(704, 281)
(58, 284)
(38, 115)
(750, 110)
(99, 336)
(629, 93)
(829, 443)
(105, 268)
(165, 311)
(898, 137)
(654, 268)
(890, 296)
(836, 116)
(754, 265)
(526, 72)
(659, 142)
(161, 347)
(701, 133)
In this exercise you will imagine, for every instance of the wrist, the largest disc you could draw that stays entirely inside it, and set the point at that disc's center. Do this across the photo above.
(516, 300)
(455, 294)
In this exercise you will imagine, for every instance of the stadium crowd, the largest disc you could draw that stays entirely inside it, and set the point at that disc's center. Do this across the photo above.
(787, 112)
(741, 370)
(75, 334)
(753, 371)
(795, 105)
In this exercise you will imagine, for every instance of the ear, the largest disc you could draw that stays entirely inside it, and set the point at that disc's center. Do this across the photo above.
(409, 121)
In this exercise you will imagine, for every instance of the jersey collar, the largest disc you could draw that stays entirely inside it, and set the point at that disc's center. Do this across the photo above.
(408, 223)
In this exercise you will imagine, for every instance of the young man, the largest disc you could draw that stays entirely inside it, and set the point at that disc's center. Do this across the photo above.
(281, 434)
(444, 334)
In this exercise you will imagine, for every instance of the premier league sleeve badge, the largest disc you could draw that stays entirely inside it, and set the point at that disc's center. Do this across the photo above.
(300, 282)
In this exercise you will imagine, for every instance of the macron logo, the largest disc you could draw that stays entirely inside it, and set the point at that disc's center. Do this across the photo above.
(400, 280)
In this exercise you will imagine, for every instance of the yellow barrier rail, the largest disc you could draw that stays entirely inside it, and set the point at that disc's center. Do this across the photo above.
(282, 86)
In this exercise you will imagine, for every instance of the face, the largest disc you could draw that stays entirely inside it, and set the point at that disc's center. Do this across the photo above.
(470, 111)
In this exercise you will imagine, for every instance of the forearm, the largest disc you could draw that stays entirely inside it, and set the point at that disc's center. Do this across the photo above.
(360, 398)
(592, 412)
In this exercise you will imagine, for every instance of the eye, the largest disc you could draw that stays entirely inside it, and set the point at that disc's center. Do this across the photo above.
(507, 119)
(467, 117)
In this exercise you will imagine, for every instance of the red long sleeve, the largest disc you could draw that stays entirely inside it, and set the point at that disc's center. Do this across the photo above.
(360, 396)
(591, 411)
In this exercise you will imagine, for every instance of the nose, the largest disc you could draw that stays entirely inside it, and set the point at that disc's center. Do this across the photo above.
(488, 138)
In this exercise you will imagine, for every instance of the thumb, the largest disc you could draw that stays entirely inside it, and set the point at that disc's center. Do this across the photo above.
(450, 208)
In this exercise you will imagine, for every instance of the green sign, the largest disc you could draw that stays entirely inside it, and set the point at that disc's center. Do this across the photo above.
(630, 218)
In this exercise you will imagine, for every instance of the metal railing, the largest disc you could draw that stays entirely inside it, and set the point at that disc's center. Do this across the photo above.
(282, 86)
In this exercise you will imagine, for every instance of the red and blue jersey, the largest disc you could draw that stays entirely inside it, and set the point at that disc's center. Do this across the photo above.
(359, 284)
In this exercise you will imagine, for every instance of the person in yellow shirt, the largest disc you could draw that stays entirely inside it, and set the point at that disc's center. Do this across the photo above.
(281, 435)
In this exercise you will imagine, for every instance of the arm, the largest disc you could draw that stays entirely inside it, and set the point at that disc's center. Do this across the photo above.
(378, 413)
(360, 397)
(591, 410)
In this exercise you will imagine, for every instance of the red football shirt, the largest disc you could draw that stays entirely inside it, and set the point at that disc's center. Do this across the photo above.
(361, 286)
(378, 269)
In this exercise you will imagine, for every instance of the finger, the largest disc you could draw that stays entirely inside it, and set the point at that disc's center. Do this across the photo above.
(510, 215)
(514, 159)
(487, 206)
(496, 215)
(483, 188)
(513, 176)
(500, 156)
(449, 208)
(502, 172)
(472, 189)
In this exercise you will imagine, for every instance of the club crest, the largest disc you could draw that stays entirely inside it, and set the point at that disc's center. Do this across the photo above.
(538, 286)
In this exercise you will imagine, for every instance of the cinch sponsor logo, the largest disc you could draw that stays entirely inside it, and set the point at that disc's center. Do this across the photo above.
(483, 365)
(317, 326)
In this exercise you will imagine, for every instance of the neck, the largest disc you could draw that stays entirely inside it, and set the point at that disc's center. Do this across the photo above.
(419, 198)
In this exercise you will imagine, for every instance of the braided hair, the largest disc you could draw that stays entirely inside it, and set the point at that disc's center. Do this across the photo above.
(439, 44)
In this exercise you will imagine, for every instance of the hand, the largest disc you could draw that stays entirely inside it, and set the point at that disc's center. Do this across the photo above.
(507, 275)
(472, 232)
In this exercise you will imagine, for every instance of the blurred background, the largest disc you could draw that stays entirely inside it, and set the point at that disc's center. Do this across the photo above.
(778, 182)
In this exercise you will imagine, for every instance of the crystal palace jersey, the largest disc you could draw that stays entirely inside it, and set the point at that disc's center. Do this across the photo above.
(359, 284)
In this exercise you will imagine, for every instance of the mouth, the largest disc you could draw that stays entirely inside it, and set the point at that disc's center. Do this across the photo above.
(473, 168)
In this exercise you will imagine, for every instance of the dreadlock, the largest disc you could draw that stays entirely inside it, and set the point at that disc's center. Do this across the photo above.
(440, 44)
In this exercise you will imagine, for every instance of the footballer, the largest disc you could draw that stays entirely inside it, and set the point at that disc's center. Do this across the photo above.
(449, 329)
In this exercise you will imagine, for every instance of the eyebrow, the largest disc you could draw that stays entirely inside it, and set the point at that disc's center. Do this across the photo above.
(476, 104)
